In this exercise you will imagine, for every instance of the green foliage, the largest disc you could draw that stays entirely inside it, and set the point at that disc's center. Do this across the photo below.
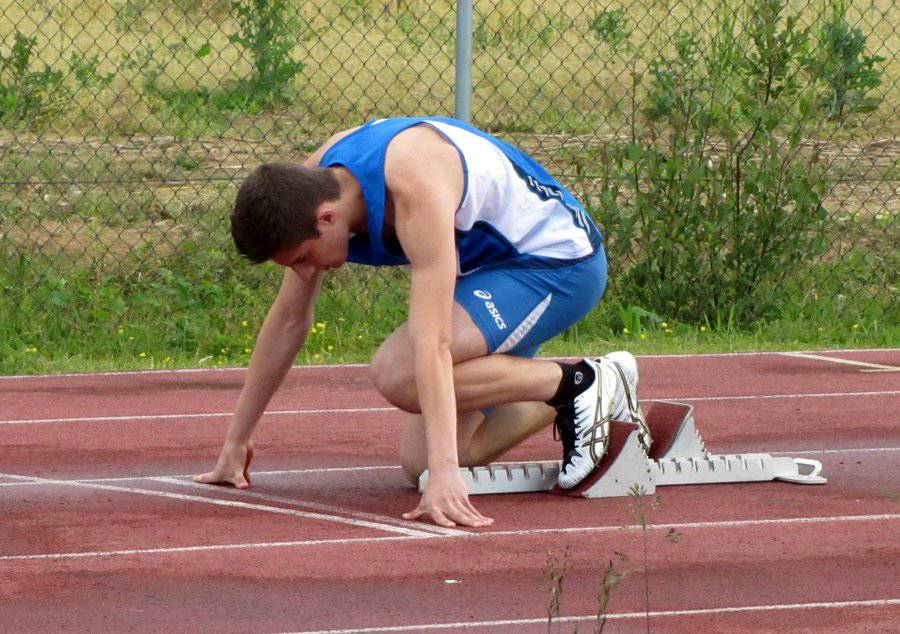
(200, 306)
(723, 204)
(717, 173)
(86, 71)
(634, 319)
(32, 97)
(27, 96)
(128, 16)
(132, 14)
(269, 30)
(611, 27)
(359, 12)
(843, 66)
(677, 92)
(521, 35)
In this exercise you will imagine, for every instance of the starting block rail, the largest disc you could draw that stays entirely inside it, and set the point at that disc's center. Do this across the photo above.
(678, 456)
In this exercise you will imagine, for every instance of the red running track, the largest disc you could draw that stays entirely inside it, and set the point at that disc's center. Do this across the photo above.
(102, 530)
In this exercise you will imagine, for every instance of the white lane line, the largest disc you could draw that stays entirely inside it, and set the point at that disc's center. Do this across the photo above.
(873, 367)
(752, 397)
(719, 524)
(277, 412)
(701, 355)
(760, 353)
(464, 535)
(76, 375)
(357, 410)
(215, 548)
(615, 616)
(255, 474)
(315, 506)
(786, 452)
(813, 452)
(242, 505)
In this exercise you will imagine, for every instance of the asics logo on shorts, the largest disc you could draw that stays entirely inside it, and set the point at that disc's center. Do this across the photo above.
(491, 307)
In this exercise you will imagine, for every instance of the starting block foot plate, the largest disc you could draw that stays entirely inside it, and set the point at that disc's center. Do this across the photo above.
(623, 469)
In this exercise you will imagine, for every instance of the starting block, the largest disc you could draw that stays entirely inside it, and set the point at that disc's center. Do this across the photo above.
(677, 456)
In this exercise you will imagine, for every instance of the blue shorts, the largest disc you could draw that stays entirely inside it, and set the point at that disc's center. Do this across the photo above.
(517, 308)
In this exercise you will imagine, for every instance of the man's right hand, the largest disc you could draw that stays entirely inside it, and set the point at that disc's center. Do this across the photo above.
(232, 468)
(446, 501)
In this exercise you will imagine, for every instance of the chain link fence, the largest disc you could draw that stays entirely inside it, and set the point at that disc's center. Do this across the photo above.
(742, 157)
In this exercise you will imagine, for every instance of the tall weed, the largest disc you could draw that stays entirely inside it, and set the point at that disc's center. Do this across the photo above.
(27, 95)
(843, 66)
(268, 31)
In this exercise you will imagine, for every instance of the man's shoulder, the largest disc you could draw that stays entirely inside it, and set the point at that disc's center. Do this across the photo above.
(421, 149)
(421, 135)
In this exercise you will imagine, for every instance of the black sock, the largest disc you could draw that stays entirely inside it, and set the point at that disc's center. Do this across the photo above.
(575, 379)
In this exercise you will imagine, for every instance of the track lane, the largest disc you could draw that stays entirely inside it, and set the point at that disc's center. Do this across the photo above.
(108, 449)
(350, 386)
(341, 587)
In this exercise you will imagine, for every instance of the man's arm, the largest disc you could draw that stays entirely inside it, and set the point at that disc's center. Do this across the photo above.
(424, 175)
(282, 335)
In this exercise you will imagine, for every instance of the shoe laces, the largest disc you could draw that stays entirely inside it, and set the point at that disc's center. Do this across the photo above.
(564, 430)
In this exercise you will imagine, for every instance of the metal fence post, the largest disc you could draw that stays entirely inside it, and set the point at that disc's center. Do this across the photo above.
(463, 86)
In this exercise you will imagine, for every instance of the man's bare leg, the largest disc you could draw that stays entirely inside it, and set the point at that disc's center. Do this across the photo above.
(413, 450)
(506, 426)
(480, 380)
(480, 438)
(512, 386)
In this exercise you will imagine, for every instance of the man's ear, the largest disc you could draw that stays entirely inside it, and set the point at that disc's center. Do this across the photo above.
(326, 215)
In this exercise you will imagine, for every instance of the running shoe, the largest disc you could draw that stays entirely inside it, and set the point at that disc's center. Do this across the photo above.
(629, 409)
(583, 424)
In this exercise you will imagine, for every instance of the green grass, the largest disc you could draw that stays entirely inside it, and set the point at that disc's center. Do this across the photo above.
(138, 348)
(204, 307)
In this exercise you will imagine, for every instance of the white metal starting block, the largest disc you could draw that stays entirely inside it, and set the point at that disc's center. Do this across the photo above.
(677, 456)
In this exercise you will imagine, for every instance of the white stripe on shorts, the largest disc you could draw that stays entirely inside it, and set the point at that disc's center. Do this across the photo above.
(525, 327)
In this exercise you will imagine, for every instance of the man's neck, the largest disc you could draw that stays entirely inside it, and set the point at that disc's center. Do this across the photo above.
(352, 203)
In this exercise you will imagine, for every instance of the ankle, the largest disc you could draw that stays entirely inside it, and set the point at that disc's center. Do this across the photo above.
(576, 377)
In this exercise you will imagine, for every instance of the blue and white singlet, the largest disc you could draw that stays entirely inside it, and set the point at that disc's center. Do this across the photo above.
(512, 211)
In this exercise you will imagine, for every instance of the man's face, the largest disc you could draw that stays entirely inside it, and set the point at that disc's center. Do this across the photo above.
(328, 251)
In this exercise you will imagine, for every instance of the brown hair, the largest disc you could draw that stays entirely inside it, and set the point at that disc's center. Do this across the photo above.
(276, 207)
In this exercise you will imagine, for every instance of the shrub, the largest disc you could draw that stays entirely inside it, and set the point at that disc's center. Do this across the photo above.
(723, 204)
(611, 27)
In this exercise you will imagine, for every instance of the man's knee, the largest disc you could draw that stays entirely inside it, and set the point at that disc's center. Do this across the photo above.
(413, 455)
(413, 465)
(413, 470)
(394, 378)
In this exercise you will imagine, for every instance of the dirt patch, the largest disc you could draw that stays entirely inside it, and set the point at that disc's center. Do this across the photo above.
(84, 242)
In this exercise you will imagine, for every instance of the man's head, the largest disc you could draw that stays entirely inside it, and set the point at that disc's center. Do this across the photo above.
(277, 208)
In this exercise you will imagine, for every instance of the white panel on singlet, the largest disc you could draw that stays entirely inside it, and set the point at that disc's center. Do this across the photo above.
(497, 195)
